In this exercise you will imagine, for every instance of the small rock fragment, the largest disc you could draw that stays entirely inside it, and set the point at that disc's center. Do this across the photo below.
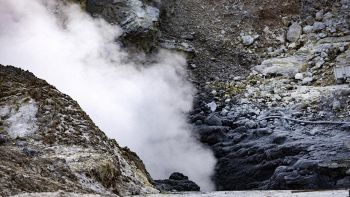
(3, 139)
(212, 106)
(294, 32)
(299, 76)
(307, 80)
(319, 15)
(30, 152)
(308, 29)
(318, 26)
(279, 139)
(213, 120)
(247, 40)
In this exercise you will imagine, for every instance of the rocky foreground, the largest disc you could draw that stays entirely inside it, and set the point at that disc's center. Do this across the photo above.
(340, 193)
(285, 193)
(47, 143)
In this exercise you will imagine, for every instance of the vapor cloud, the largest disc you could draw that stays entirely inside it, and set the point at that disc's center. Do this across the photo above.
(142, 107)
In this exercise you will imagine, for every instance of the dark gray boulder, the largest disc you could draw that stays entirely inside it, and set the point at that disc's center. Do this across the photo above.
(213, 120)
(3, 139)
(176, 182)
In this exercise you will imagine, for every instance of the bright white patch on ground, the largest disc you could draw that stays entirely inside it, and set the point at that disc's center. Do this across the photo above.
(59, 194)
(20, 119)
(311, 92)
(4, 110)
(270, 193)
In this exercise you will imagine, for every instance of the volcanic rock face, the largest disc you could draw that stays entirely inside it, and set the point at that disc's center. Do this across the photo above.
(47, 143)
(300, 141)
(138, 19)
(286, 124)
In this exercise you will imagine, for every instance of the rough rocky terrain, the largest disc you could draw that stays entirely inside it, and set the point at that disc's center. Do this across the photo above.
(284, 193)
(275, 193)
(47, 143)
(286, 124)
(268, 103)
(228, 37)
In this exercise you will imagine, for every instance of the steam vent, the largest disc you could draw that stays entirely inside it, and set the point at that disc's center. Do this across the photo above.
(175, 98)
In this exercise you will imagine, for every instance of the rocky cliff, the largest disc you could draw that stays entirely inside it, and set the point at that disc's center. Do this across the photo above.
(48, 143)
(139, 20)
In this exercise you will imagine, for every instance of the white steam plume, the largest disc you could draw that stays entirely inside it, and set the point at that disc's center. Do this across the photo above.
(141, 107)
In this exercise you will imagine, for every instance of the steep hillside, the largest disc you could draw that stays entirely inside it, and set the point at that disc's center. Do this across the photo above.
(228, 37)
(48, 143)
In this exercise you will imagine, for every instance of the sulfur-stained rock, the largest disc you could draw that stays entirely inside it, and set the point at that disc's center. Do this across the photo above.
(288, 66)
(54, 145)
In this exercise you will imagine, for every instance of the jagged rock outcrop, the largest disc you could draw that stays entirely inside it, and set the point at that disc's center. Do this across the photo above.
(177, 182)
(138, 19)
(47, 143)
